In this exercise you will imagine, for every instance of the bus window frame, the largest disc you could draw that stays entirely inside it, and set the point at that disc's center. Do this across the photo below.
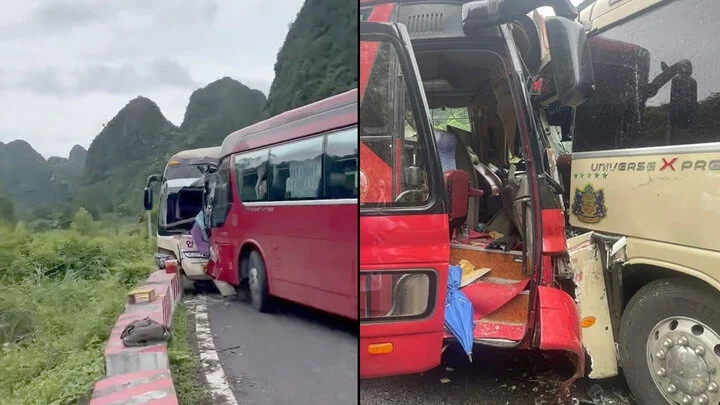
(396, 35)
(320, 200)
(218, 177)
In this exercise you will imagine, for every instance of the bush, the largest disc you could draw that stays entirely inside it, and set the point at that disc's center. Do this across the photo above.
(60, 293)
(63, 356)
(83, 222)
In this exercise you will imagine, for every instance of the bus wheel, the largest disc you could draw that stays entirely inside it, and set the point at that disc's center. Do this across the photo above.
(669, 343)
(257, 283)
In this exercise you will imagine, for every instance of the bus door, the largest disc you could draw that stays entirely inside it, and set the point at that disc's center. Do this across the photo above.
(223, 257)
(404, 249)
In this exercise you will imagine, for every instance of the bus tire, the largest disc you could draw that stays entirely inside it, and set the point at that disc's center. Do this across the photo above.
(668, 334)
(257, 283)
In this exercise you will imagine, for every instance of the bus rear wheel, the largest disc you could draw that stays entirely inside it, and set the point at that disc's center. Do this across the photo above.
(669, 343)
(257, 283)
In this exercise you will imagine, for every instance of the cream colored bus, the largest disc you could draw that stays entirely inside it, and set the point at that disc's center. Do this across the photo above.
(643, 197)
(180, 200)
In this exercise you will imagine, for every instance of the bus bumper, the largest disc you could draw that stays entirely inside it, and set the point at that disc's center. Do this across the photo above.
(560, 326)
(410, 354)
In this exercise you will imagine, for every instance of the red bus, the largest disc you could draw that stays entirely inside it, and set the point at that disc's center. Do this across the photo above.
(283, 208)
(455, 170)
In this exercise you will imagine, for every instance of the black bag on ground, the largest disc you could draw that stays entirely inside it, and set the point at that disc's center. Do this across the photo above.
(144, 332)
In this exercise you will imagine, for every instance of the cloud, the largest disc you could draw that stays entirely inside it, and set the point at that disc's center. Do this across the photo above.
(67, 66)
(129, 79)
(65, 14)
(120, 79)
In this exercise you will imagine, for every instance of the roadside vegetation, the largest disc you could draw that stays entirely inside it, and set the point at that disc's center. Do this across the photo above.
(60, 293)
(185, 365)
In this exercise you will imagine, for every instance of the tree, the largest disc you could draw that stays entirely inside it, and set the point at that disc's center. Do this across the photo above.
(7, 211)
(83, 222)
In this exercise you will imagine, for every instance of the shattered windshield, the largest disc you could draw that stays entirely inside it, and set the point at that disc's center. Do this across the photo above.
(181, 169)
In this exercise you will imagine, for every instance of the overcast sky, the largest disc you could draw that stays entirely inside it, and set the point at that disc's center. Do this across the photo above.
(68, 66)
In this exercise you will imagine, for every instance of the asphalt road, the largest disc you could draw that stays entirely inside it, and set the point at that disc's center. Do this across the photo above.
(293, 356)
(497, 377)
(297, 356)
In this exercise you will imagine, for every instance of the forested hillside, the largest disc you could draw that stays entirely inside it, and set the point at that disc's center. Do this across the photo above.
(319, 57)
(139, 140)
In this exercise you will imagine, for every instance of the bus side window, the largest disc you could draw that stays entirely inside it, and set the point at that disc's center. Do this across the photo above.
(341, 164)
(296, 170)
(251, 169)
(221, 196)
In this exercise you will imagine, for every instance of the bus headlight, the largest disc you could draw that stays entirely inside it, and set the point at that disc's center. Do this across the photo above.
(194, 255)
(391, 295)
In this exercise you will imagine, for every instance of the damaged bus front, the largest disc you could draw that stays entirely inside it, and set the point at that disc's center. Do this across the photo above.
(455, 171)
(642, 191)
(181, 198)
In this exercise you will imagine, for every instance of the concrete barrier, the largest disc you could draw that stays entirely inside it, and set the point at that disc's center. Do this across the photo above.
(143, 387)
(141, 375)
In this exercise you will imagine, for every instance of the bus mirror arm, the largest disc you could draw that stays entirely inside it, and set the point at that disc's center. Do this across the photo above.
(683, 92)
(152, 179)
(681, 68)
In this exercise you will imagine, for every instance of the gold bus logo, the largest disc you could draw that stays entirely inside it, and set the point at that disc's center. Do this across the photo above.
(589, 205)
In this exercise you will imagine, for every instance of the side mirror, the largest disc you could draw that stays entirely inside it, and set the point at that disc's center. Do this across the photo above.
(570, 59)
(153, 178)
(683, 101)
(148, 199)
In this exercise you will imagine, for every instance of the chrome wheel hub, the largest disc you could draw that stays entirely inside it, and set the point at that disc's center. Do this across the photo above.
(683, 357)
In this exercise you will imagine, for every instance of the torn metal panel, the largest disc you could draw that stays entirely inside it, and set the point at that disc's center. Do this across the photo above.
(593, 308)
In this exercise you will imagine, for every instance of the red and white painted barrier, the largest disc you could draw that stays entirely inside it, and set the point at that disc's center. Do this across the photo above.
(153, 387)
(173, 279)
(141, 375)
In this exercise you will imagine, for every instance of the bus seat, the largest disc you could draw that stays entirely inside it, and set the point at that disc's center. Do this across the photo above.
(493, 184)
(454, 156)
(446, 150)
(491, 179)
(460, 193)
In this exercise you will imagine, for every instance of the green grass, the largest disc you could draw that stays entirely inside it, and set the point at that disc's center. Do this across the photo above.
(60, 294)
(60, 362)
(185, 363)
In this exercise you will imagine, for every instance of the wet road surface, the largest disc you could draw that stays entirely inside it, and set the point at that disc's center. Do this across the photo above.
(292, 356)
(497, 377)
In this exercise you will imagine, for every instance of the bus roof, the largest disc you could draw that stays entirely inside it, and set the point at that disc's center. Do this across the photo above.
(602, 14)
(213, 152)
(333, 112)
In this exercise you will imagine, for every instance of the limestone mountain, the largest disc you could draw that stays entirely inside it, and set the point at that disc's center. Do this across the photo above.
(139, 140)
(77, 156)
(319, 57)
(218, 109)
(69, 170)
(29, 180)
(130, 139)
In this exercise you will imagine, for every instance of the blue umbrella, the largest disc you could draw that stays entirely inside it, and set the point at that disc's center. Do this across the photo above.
(459, 311)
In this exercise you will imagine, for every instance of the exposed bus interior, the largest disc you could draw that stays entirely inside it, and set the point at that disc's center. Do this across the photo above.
(472, 109)
(182, 206)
